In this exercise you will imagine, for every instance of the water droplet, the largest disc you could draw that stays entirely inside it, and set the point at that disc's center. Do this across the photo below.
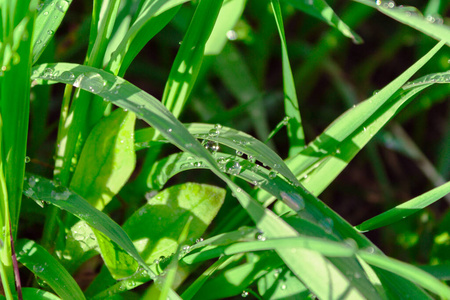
(90, 81)
(283, 286)
(67, 76)
(338, 151)
(232, 35)
(62, 5)
(272, 174)
(199, 240)
(45, 13)
(50, 32)
(364, 129)
(286, 120)
(244, 294)
(38, 268)
(218, 126)
(169, 130)
(27, 159)
(234, 167)
(239, 153)
(214, 132)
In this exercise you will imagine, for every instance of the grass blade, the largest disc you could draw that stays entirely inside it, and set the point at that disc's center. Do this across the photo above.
(189, 58)
(294, 125)
(47, 268)
(405, 209)
(330, 152)
(41, 189)
(321, 10)
(412, 17)
(409, 272)
(49, 17)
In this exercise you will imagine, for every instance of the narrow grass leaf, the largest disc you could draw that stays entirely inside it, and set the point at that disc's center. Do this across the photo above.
(442, 77)
(294, 123)
(430, 25)
(46, 267)
(153, 112)
(409, 272)
(241, 142)
(321, 10)
(49, 17)
(188, 61)
(330, 152)
(405, 209)
(153, 16)
(42, 189)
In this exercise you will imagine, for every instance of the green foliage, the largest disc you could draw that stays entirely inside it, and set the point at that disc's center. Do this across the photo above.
(144, 189)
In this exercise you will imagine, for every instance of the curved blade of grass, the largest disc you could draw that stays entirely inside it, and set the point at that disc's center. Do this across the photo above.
(409, 272)
(42, 189)
(237, 140)
(405, 209)
(412, 17)
(323, 246)
(50, 16)
(294, 124)
(188, 61)
(330, 152)
(153, 16)
(304, 263)
(46, 267)
(321, 10)
(442, 77)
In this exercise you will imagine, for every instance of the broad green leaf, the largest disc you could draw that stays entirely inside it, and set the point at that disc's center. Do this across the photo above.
(409, 272)
(41, 189)
(119, 263)
(294, 121)
(156, 226)
(321, 10)
(405, 209)
(107, 159)
(411, 16)
(233, 280)
(188, 61)
(330, 152)
(50, 16)
(153, 112)
(47, 268)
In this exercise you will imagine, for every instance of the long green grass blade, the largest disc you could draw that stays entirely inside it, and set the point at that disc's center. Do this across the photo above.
(412, 17)
(294, 124)
(330, 152)
(321, 10)
(47, 268)
(405, 209)
(41, 189)
(189, 58)
(33, 293)
(50, 16)
(408, 271)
